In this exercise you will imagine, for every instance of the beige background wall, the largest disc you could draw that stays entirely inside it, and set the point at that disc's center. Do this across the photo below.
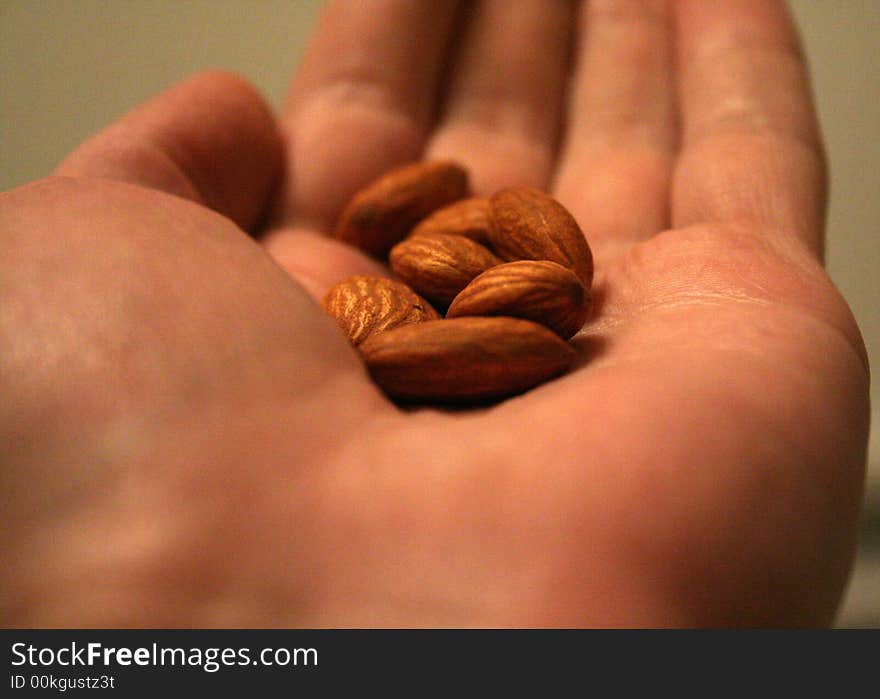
(67, 67)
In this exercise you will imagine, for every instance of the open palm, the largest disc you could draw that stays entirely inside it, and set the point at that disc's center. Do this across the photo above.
(189, 441)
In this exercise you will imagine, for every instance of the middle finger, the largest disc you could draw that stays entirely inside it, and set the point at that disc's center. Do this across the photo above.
(502, 112)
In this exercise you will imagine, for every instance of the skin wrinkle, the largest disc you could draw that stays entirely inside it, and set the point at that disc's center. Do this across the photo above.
(370, 96)
(739, 116)
(746, 204)
(744, 40)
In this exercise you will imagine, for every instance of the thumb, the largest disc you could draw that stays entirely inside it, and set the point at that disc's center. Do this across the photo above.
(211, 139)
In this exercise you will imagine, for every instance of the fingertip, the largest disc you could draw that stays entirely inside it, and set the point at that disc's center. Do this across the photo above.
(211, 138)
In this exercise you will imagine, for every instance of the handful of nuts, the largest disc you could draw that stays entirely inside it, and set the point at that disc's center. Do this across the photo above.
(488, 290)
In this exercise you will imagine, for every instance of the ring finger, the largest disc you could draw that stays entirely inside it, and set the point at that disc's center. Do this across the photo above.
(620, 145)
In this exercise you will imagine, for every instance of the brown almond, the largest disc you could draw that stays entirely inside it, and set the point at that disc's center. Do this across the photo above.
(465, 359)
(538, 290)
(382, 213)
(439, 266)
(528, 224)
(469, 217)
(365, 305)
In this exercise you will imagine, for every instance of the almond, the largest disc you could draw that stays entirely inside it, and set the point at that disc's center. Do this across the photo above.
(382, 213)
(439, 266)
(469, 217)
(538, 290)
(465, 359)
(528, 224)
(365, 305)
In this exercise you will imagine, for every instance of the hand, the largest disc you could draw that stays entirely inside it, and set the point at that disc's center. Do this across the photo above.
(186, 440)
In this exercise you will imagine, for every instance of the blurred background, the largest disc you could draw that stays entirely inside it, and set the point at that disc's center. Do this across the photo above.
(68, 67)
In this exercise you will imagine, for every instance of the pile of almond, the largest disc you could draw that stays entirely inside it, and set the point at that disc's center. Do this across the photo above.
(487, 293)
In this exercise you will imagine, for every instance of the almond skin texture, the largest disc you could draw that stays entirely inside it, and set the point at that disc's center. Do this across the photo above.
(538, 290)
(465, 359)
(528, 224)
(439, 266)
(469, 217)
(382, 213)
(365, 305)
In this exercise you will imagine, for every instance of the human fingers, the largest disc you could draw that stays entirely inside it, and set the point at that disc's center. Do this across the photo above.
(503, 103)
(620, 141)
(211, 139)
(361, 101)
(751, 147)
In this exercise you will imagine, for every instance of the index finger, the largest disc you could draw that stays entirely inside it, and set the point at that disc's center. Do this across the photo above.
(361, 101)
